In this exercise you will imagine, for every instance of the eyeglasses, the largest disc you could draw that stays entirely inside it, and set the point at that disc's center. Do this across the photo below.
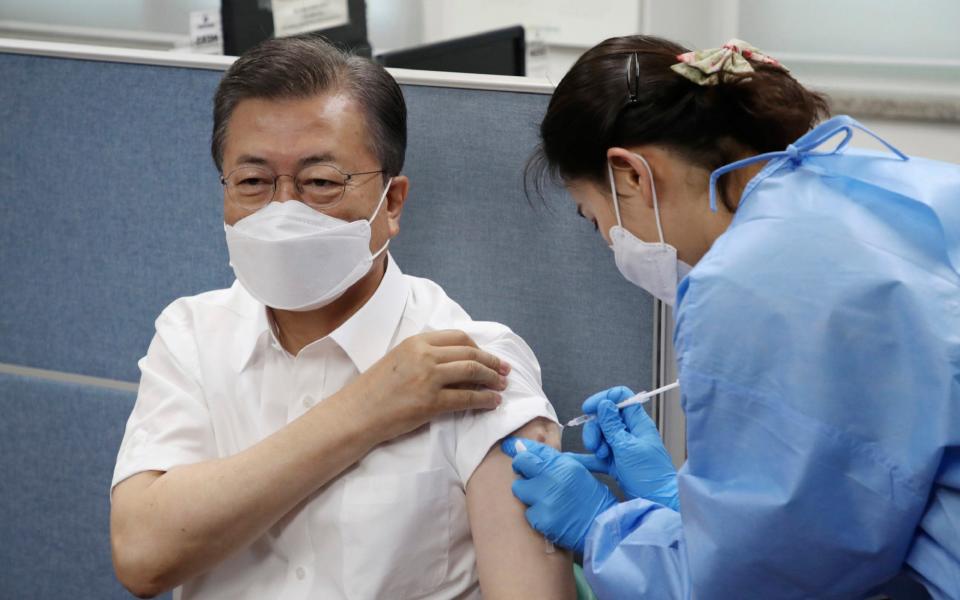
(319, 186)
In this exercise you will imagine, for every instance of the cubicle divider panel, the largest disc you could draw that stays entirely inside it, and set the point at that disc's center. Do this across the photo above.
(531, 263)
(112, 209)
(58, 443)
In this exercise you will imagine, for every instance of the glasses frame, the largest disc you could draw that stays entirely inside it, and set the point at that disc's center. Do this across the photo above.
(347, 178)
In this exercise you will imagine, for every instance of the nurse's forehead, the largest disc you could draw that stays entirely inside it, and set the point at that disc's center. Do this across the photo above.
(321, 128)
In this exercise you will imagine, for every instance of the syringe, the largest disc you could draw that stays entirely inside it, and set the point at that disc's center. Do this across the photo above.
(640, 398)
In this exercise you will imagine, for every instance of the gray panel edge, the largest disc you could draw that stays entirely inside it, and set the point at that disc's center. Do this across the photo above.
(60, 376)
(500, 83)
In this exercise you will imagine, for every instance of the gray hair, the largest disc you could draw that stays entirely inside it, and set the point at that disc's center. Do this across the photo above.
(306, 65)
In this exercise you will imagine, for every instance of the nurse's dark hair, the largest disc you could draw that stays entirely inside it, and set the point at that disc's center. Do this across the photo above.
(597, 106)
(307, 65)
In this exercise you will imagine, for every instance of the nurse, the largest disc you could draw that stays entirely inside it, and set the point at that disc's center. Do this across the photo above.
(817, 336)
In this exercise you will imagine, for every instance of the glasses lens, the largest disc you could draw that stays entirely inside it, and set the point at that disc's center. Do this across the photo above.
(321, 185)
(250, 187)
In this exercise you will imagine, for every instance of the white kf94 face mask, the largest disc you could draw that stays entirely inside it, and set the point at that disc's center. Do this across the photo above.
(651, 266)
(291, 257)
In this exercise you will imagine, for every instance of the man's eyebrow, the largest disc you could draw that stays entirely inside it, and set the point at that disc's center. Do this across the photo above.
(248, 159)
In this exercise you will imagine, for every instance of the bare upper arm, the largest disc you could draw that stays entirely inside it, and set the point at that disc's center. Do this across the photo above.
(511, 556)
(126, 503)
(126, 494)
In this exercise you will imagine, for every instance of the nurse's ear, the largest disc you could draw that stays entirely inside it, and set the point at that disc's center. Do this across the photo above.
(631, 175)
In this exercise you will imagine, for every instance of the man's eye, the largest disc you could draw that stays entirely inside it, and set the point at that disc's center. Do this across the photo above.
(252, 181)
(319, 183)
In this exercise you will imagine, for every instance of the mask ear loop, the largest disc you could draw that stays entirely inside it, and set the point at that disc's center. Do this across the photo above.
(374, 216)
(656, 202)
(653, 191)
(383, 196)
(613, 189)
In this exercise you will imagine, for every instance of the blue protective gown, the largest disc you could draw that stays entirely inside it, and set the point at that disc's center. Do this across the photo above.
(818, 347)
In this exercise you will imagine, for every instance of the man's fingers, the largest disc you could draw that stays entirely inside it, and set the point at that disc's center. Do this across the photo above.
(452, 400)
(467, 372)
(448, 337)
(448, 354)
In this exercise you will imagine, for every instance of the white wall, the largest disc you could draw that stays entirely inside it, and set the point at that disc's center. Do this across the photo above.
(166, 16)
(874, 34)
(939, 141)
(569, 27)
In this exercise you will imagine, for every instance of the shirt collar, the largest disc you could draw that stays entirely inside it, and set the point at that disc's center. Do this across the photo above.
(365, 336)
(253, 335)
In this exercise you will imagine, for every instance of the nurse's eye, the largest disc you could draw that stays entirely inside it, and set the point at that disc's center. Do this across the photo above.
(592, 221)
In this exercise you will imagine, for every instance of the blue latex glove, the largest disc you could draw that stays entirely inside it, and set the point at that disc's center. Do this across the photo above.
(627, 446)
(563, 496)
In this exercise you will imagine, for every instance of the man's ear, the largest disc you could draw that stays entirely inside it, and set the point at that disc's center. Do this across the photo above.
(633, 177)
(394, 202)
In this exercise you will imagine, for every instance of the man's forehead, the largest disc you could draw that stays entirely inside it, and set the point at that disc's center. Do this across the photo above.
(323, 106)
(322, 128)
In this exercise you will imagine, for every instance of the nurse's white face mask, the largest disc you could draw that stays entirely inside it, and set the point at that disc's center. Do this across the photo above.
(291, 257)
(651, 266)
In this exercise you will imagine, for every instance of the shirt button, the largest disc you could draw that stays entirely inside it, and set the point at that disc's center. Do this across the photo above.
(307, 401)
(301, 573)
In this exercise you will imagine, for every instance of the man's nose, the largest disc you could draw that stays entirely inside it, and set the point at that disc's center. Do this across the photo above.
(286, 189)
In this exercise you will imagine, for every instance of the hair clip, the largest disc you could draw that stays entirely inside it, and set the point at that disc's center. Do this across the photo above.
(633, 71)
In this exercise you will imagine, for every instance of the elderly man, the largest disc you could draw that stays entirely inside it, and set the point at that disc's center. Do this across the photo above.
(323, 428)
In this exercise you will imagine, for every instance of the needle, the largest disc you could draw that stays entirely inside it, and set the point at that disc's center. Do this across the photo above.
(640, 398)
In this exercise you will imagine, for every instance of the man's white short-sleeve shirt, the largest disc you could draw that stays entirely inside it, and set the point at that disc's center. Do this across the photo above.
(215, 381)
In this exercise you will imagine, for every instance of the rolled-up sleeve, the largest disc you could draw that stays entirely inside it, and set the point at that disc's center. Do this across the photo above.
(523, 401)
(170, 423)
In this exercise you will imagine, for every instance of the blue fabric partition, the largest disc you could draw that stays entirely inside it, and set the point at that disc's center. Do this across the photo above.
(110, 208)
(536, 267)
(58, 442)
